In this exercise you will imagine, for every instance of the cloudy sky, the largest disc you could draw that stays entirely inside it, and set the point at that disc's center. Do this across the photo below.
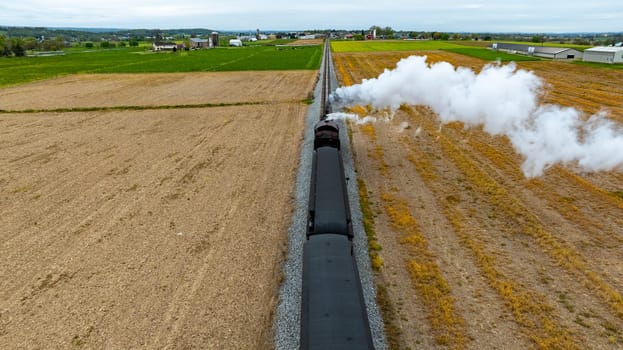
(418, 15)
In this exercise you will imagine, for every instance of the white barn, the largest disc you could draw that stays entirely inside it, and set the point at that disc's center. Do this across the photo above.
(164, 46)
(555, 53)
(602, 54)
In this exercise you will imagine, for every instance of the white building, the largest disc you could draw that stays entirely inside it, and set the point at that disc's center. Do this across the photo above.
(235, 42)
(555, 53)
(164, 46)
(601, 54)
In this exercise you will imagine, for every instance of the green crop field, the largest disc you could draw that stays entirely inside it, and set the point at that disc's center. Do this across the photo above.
(550, 44)
(491, 55)
(405, 45)
(390, 45)
(17, 70)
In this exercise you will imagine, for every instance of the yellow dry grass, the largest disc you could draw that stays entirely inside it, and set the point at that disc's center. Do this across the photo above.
(567, 222)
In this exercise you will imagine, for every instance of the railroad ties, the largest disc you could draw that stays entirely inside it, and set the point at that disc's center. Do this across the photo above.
(333, 311)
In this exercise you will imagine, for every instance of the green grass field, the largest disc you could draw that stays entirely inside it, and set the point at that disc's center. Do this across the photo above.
(491, 55)
(550, 44)
(599, 65)
(16, 70)
(403, 45)
(390, 45)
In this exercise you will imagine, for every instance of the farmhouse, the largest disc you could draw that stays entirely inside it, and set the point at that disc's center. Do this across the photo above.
(164, 46)
(196, 43)
(556, 53)
(601, 54)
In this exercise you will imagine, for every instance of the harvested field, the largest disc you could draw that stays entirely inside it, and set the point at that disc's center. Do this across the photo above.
(106, 90)
(147, 228)
(476, 256)
(307, 42)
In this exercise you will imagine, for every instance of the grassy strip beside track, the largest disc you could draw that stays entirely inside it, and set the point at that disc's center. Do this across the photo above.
(389, 312)
(427, 279)
(18, 70)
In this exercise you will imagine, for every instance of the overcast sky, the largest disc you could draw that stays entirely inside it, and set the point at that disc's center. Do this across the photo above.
(418, 15)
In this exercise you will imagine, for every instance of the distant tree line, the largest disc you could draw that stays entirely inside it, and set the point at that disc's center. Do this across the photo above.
(18, 46)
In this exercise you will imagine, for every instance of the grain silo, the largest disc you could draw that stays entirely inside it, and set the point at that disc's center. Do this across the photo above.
(215, 39)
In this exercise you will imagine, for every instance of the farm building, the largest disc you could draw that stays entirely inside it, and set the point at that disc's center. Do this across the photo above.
(556, 53)
(215, 39)
(164, 46)
(235, 42)
(196, 43)
(601, 54)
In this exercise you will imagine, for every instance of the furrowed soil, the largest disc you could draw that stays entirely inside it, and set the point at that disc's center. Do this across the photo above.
(147, 228)
(140, 90)
(476, 256)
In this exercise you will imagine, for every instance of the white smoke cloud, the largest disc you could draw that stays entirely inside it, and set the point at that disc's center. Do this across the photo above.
(504, 100)
(352, 117)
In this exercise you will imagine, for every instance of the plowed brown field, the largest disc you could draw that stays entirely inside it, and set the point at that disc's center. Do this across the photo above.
(109, 90)
(475, 255)
(147, 228)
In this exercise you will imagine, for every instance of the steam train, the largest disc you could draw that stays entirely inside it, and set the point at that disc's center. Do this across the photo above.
(333, 314)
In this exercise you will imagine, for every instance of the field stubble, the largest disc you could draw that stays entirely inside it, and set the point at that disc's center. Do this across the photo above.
(524, 263)
(148, 228)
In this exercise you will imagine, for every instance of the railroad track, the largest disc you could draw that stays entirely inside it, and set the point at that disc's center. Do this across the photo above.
(325, 107)
(333, 311)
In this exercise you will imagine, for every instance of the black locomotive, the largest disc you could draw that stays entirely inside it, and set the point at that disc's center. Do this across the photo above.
(333, 314)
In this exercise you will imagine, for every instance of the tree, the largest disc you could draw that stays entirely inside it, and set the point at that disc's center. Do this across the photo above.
(133, 42)
(386, 32)
(31, 44)
(4, 49)
(538, 39)
(49, 45)
(17, 46)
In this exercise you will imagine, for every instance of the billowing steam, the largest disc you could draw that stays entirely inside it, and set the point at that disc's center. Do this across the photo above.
(504, 100)
(352, 117)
